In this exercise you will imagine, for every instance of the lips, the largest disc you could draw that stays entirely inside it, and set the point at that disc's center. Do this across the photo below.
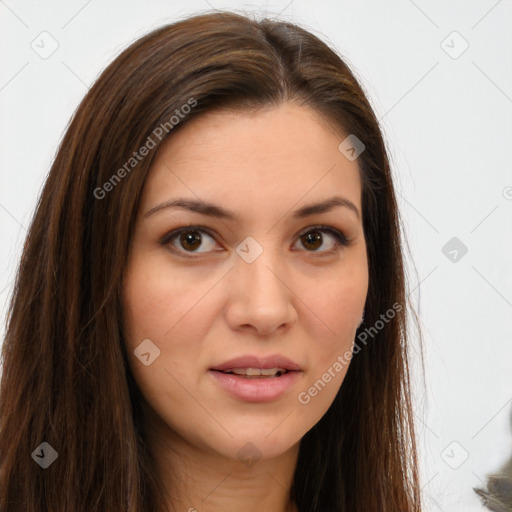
(272, 362)
(257, 379)
(252, 373)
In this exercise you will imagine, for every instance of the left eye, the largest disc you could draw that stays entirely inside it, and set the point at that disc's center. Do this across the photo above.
(191, 238)
(313, 239)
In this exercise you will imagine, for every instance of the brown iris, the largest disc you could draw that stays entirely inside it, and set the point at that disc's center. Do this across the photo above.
(313, 237)
(190, 240)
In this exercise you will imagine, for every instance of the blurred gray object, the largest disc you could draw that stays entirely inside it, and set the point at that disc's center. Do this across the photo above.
(498, 494)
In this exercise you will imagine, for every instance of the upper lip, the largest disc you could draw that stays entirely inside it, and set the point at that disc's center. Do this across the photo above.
(250, 361)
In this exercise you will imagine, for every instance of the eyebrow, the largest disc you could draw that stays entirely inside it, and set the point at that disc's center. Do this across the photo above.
(217, 211)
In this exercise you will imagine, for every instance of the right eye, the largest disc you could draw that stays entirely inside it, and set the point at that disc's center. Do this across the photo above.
(188, 239)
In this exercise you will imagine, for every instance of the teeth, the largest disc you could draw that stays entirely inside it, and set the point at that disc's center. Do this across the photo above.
(272, 371)
(267, 372)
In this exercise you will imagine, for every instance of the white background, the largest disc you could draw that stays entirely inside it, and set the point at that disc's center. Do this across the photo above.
(448, 125)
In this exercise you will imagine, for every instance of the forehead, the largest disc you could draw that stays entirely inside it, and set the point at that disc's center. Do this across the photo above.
(270, 159)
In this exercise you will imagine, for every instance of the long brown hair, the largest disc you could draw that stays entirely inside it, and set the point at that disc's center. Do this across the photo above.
(65, 377)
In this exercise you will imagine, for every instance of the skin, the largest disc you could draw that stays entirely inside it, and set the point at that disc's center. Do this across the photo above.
(302, 300)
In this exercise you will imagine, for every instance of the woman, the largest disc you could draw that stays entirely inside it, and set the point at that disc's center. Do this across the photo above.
(210, 307)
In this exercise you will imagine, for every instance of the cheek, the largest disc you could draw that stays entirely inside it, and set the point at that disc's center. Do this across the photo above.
(338, 303)
(170, 309)
(156, 300)
(160, 307)
(335, 313)
(341, 306)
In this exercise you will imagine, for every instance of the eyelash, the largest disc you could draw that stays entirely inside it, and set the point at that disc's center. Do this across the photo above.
(341, 239)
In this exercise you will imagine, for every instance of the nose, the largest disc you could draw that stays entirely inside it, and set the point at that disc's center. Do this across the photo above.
(260, 298)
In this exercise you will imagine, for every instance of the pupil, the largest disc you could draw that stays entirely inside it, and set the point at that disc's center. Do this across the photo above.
(190, 240)
(314, 238)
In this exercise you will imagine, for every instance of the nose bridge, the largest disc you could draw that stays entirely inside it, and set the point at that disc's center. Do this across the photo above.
(259, 269)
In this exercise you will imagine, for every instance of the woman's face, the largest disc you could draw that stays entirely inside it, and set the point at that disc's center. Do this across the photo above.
(252, 283)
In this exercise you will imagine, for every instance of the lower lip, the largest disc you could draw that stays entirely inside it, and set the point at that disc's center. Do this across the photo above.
(264, 389)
